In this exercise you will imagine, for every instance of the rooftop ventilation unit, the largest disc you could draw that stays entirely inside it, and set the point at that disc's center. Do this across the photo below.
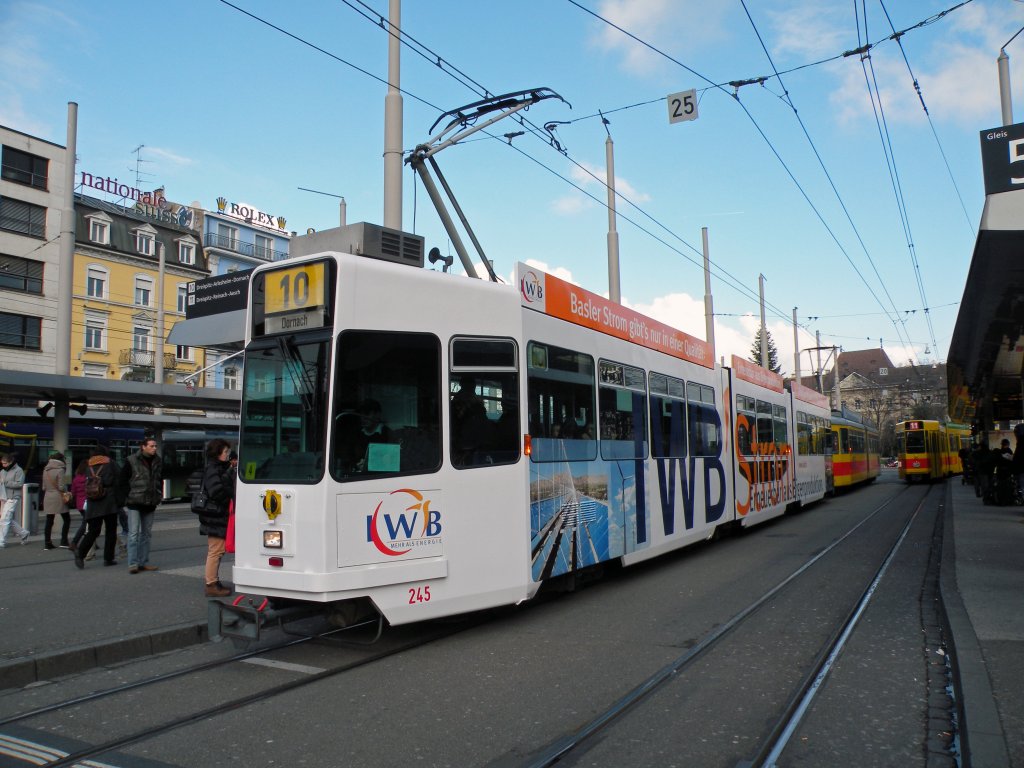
(363, 239)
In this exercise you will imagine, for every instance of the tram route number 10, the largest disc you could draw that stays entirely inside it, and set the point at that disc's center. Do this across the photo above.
(419, 595)
(298, 288)
(682, 106)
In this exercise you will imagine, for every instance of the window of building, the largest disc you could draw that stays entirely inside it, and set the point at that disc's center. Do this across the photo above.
(187, 251)
(230, 378)
(23, 168)
(94, 370)
(143, 291)
(95, 331)
(182, 298)
(22, 275)
(99, 228)
(264, 247)
(96, 282)
(227, 236)
(140, 338)
(184, 353)
(20, 331)
(145, 240)
(23, 218)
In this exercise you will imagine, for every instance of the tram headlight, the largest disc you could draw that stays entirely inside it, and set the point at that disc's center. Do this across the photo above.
(273, 539)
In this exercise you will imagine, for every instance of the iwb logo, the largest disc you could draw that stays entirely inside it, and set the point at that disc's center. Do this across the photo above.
(402, 521)
(531, 287)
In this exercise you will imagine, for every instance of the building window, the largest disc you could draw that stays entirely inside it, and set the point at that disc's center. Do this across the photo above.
(145, 240)
(95, 332)
(140, 338)
(264, 247)
(186, 252)
(143, 291)
(20, 331)
(99, 232)
(230, 378)
(22, 275)
(182, 298)
(23, 168)
(23, 218)
(227, 237)
(94, 370)
(96, 283)
(184, 353)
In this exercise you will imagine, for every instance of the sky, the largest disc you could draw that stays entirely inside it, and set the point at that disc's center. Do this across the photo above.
(823, 173)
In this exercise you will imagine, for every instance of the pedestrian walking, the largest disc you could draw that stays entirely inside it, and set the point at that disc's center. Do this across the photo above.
(12, 478)
(219, 490)
(101, 506)
(54, 487)
(78, 491)
(142, 487)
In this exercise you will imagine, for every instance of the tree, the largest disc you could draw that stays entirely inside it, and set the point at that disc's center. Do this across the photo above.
(773, 353)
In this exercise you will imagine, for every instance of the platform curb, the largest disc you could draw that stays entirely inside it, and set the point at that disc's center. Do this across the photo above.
(17, 673)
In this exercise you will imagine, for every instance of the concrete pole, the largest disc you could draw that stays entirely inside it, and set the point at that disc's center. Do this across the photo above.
(393, 123)
(158, 361)
(796, 349)
(764, 329)
(817, 337)
(65, 284)
(613, 235)
(1005, 97)
(709, 303)
(342, 213)
(835, 376)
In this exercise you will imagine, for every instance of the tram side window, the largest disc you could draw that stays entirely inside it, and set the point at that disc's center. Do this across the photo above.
(560, 388)
(705, 425)
(780, 425)
(765, 429)
(746, 424)
(387, 405)
(623, 411)
(804, 434)
(856, 441)
(668, 416)
(483, 386)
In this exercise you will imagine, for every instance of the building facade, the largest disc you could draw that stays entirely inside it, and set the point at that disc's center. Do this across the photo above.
(31, 201)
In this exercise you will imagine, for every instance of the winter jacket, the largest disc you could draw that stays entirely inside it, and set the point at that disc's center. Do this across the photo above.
(78, 489)
(142, 481)
(53, 485)
(11, 481)
(219, 483)
(108, 504)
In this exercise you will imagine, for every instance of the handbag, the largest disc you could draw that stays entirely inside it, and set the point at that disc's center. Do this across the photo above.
(68, 497)
(229, 537)
(200, 501)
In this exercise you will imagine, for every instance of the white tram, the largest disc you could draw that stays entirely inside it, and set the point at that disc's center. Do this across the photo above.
(432, 444)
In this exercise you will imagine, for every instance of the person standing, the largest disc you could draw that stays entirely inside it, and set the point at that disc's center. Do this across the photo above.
(219, 486)
(142, 488)
(78, 491)
(54, 486)
(12, 478)
(100, 511)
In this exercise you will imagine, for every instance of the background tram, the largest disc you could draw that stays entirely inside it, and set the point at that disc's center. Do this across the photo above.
(854, 450)
(929, 450)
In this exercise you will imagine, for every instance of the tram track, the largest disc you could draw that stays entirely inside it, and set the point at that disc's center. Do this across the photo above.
(571, 746)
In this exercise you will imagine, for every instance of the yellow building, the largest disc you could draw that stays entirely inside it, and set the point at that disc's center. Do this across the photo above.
(120, 317)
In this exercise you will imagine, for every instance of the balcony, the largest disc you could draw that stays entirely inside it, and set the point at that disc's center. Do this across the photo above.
(142, 358)
(234, 244)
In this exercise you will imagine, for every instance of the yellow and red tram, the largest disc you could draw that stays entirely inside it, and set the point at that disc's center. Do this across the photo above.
(854, 450)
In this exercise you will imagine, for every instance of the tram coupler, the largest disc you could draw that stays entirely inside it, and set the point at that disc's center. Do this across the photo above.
(245, 616)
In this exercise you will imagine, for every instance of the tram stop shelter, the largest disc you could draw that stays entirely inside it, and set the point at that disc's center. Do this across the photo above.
(986, 355)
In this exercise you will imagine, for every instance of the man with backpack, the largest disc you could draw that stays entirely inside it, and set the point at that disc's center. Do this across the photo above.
(100, 506)
(141, 486)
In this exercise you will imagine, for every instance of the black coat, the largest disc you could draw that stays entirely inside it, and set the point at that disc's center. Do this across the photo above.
(219, 484)
(108, 505)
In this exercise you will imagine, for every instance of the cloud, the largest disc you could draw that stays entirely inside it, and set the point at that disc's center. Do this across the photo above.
(668, 25)
(593, 179)
(157, 154)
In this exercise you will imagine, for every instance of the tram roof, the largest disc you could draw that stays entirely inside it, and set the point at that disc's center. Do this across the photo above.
(986, 354)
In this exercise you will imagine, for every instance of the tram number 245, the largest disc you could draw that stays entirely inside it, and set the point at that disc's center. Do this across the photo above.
(419, 595)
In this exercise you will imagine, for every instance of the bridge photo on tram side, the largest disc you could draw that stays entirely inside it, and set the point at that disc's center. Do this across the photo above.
(182, 451)
(930, 450)
(449, 461)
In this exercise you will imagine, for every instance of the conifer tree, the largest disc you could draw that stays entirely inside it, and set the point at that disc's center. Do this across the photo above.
(773, 353)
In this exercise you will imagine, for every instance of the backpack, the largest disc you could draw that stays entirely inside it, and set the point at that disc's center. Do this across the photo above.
(94, 486)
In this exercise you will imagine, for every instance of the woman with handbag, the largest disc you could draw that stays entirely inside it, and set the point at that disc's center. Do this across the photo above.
(212, 504)
(55, 499)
